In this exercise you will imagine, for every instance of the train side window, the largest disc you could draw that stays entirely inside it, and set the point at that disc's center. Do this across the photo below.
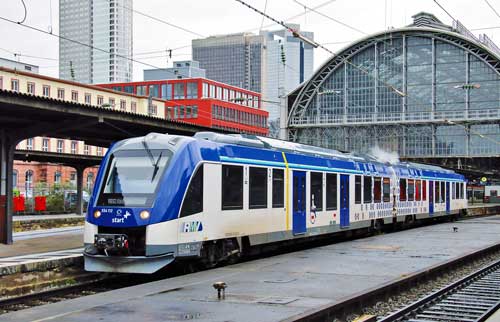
(193, 202)
(377, 189)
(453, 189)
(357, 189)
(258, 188)
(278, 188)
(443, 191)
(462, 189)
(418, 190)
(317, 190)
(232, 187)
(411, 190)
(387, 189)
(437, 195)
(424, 190)
(402, 189)
(457, 190)
(331, 191)
(367, 189)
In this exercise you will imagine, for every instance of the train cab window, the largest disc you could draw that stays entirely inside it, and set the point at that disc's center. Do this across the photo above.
(418, 190)
(357, 189)
(232, 187)
(193, 202)
(387, 189)
(278, 188)
(402, 189)
(317, 190)
(258, 188)
(411, 190)
(443, 191)
(331, 191)
(424, 190)
(437, 195)
(377, 189)
(367, 189)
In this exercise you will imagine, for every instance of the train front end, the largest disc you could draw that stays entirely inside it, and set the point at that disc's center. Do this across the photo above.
(127, 229)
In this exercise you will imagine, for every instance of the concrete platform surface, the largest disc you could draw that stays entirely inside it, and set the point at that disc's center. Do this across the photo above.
(73, 230)
(275, 288)
(46, 217)
(42, 243)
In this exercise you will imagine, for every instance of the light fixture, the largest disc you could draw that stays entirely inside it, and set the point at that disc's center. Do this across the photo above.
(97, 214)
(144, 214)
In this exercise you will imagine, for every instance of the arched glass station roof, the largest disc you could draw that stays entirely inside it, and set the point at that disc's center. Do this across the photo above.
(426, 90)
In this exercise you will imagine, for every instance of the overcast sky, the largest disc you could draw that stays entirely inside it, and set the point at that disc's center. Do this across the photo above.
(211, 17)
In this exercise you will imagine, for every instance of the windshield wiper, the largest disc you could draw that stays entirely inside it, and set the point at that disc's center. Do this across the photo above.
(152, 159)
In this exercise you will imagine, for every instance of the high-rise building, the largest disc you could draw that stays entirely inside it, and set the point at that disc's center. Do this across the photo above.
(272, 63)
(105, 25)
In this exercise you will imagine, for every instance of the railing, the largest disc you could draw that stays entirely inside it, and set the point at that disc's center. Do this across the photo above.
(408, 117)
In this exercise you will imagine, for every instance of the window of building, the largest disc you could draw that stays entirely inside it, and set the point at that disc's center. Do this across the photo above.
(386, 187)
(46, 90)
(411, 190)
(29, 144)
(192, 90)
(377, 189)
(72, 178)
(212, 91)
(100, 100)
(418, 190)
(188, 111)
(226, 94)
(331, 191)
(74, 147)
(86, 149)
(232, 187)
(74, 96)
(402, 189)
(128, 89)
(30, 88)
(179, 91)
(45, 144)
(424, 190)
(14, 179)
(317, 190)
(133, 107)
(90, 180)
(60, 93)
(60, 146)
(357, 189)
(141, 90)
(111, 102)
(99, 151)
(28, 179)
(154, 91)
(278, 188)
(195, 111)
(152, 110)
(123, 105)
(258, 188)
(193, 202)
(14, 85)
(57, 177)
(218, 92)
(205, 90)
(88, 98)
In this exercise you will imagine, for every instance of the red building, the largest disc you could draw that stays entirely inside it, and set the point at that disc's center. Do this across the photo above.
(204, 102)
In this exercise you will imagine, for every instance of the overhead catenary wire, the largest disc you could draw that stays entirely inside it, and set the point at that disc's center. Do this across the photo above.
(446, 11)
(25, 13)
(330, 18)
(492, 8)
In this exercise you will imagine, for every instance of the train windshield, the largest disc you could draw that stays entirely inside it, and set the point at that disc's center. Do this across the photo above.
(132, 178)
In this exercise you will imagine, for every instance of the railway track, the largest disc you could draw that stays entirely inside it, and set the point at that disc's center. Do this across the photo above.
(472, 298)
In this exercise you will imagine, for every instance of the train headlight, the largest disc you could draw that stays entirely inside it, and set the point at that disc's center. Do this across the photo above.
(144, 214)
(97, 214)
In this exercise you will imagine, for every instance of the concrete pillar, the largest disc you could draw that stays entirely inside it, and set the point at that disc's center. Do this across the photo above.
(79, 190)
(6, 168)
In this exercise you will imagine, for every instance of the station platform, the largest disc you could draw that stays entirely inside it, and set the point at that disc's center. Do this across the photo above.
(279, 287)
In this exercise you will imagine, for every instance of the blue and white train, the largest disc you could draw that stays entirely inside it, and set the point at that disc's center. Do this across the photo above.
(212, 197)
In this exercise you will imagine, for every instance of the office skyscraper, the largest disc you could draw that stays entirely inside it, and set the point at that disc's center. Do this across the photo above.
(272, 63)
(104, 24)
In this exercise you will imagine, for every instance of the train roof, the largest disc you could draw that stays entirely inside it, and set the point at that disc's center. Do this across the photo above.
(304, 149)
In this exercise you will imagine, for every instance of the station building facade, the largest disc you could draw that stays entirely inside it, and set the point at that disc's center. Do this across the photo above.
(204, 102)
(426, 91)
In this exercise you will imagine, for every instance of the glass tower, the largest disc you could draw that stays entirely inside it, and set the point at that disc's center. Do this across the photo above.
(103, 24)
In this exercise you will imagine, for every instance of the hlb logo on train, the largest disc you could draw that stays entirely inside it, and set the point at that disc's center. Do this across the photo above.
(192, 226)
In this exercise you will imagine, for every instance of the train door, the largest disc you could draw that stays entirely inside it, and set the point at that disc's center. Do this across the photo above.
(344, 200)
(447, 196)
(431, 197)
(299, 202)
